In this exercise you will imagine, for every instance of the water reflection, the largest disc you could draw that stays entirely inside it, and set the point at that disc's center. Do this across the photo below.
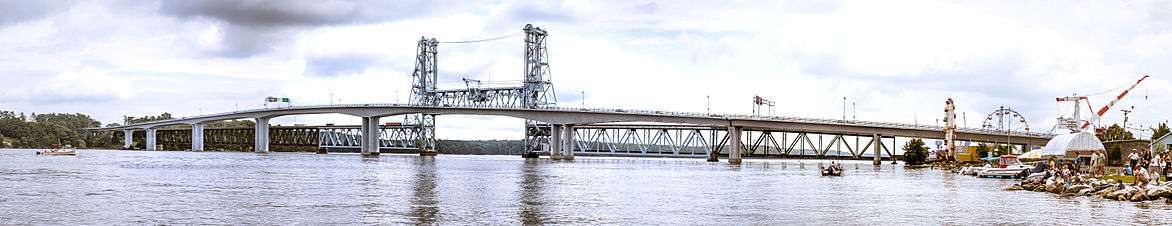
(424, 206)
(531, 186)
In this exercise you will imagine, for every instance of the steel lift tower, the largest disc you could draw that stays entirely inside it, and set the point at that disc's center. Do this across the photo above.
(536, 91)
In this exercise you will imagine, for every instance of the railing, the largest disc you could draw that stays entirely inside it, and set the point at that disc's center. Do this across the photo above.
(895, 125)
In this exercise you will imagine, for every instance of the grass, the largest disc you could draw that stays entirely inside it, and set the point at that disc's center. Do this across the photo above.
(1128, 179)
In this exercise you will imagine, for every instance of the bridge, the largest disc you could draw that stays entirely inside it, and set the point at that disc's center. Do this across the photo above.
(564, 131)
(568, 124)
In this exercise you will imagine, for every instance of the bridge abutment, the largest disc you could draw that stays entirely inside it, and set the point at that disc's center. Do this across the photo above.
(151, 139)
(127, 139)
(197, 136)
(370, 136)
(261, 135)
(555, 142)
(734, 141)
(569, 146)
(878, 143)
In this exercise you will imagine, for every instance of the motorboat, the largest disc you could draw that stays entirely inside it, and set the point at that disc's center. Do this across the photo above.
(1009, 167)
(834, 170)
(67, 150)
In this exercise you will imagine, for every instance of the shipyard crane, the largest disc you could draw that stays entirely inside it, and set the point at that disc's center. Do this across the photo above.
(1073, 122)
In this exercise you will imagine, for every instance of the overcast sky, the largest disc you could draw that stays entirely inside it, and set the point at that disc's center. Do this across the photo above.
(897, 60)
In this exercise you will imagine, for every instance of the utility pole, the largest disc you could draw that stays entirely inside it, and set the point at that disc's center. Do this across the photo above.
(708, 103)
(583, 99)
(854, 112)
(1125, 113)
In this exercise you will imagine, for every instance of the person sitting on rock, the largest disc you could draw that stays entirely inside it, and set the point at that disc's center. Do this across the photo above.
(1141, 176)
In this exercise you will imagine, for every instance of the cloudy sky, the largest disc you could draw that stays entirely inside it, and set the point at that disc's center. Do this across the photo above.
(896, 60)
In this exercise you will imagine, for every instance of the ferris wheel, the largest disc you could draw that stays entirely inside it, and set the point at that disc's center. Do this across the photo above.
(1003, 119)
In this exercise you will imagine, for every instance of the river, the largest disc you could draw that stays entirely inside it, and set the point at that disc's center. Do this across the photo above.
(108, 187)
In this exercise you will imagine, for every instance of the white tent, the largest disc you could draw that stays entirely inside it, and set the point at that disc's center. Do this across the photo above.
(1072, 145)
(1032, 154)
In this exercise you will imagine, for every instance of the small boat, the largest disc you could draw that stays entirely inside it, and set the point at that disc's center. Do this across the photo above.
(60, 151)
(834, 170)
(1009, 167)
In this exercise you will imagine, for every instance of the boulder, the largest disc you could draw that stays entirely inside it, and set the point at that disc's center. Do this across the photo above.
(1014, 188)
(1077, 188)
(1139, 196)
(1105, 191)
(1161, 192)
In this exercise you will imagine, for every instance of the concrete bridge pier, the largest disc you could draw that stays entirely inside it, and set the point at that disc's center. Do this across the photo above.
(370, 136)
(261, 135)
(877, 143)
(734, 141)
(127, 138)
(197, 136)
(555, 142)
(568, 147)
(151, 138)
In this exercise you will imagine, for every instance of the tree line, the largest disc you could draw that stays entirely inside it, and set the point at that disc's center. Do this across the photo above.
(18, 130)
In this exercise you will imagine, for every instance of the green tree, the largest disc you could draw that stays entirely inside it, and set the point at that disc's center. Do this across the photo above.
(1115, 132)
(231, 124)
(128, 120)
(1004, 149)
(1160, 131)
(983, 150)
(914, 152)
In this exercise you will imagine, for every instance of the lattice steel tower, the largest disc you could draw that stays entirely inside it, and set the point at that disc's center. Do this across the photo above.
(536, 90)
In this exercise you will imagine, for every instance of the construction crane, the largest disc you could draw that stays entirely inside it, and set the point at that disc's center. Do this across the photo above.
(1073, 122)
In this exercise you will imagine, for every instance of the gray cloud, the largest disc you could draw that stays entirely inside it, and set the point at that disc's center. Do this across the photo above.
(20, 11)
(331, 66)
(258, 26)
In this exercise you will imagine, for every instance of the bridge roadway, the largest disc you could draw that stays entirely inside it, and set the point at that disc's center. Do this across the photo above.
(563, 121)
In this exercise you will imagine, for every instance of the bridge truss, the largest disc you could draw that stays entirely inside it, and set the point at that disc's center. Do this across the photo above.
(699, 141)
(536, 91)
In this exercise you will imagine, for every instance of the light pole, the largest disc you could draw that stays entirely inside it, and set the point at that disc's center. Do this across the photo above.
(843, 108)
(708, 103)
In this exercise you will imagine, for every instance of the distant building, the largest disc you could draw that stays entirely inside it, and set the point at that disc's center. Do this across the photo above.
(1162, 143)
(1117, 149)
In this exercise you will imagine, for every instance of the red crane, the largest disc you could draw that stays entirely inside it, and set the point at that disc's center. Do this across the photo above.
(1103, 110)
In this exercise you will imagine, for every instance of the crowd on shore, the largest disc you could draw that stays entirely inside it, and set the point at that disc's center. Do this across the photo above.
(1145, 171)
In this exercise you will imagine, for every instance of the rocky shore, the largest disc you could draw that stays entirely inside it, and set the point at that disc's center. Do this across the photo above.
(1105, 188)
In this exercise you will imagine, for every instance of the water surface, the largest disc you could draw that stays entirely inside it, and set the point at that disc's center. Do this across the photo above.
(138, 187)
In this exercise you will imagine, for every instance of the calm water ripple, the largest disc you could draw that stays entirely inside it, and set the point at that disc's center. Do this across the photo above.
(109, 187)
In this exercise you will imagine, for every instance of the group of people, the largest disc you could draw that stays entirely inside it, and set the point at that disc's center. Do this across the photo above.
(1145, 167)
(1060, 175)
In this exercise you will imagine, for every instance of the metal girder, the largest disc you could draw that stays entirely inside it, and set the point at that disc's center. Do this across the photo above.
(403, 137)
(646, 141)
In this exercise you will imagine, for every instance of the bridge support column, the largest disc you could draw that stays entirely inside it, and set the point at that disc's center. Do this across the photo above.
(370, 136)
(734, 141)
(568, 153)
(555, 142)
(197, 136)
(150, 138)
(127, 138)
(261, 135)
(876, 143)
